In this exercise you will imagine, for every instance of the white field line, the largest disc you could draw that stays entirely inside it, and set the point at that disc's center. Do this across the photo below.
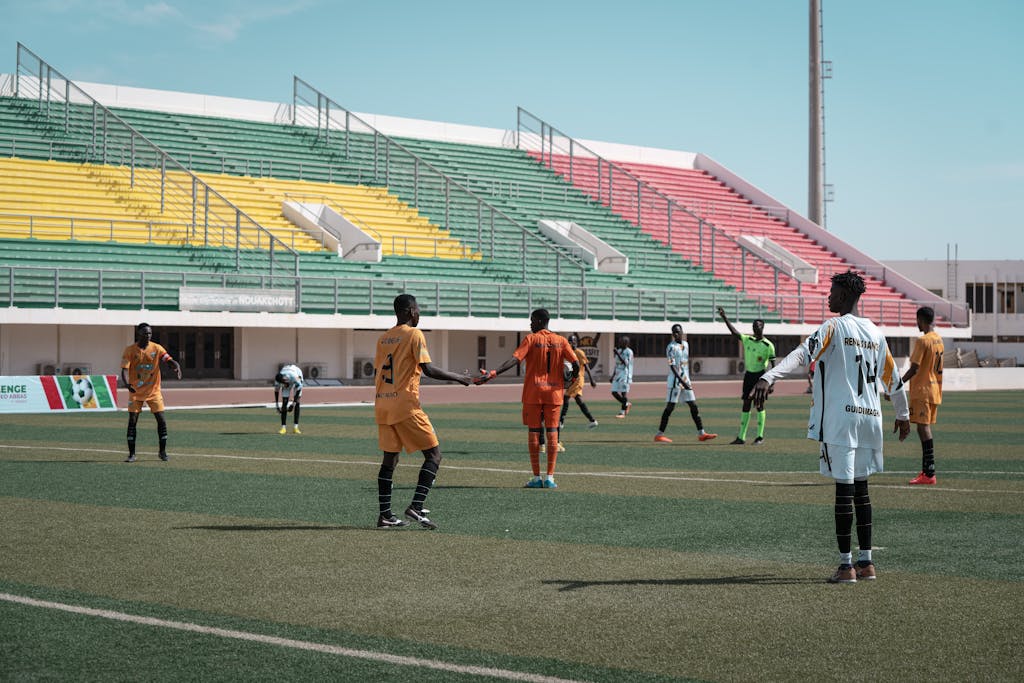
(263, 405)
(287, 642)
(659, 476)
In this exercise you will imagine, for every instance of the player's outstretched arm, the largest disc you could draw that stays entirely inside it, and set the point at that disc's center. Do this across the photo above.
(488, 375)
(760, 393)
(434, 372)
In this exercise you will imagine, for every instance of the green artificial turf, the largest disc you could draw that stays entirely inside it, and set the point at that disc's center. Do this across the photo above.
(650, 562)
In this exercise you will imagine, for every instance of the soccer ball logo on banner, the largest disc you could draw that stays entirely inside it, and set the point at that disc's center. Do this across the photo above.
(82, 391)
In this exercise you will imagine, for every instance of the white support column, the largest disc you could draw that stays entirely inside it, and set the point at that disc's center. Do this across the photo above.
(443, 344)
(348, 337)
(605, 346)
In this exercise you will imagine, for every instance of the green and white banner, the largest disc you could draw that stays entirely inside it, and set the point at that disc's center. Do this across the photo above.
(58, 393)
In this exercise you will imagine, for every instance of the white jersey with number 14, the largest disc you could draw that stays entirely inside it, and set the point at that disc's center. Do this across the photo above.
(852, 362)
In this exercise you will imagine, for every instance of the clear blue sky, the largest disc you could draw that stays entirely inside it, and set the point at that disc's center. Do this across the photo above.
(924, 114)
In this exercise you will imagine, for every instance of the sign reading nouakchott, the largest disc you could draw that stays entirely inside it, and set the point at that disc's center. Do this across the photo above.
(241, 300)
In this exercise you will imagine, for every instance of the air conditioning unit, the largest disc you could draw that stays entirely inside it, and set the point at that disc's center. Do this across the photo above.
(78, 369)
(696, 366)
(50, 368)
(316, 370)
(736, 366)
(362, 368)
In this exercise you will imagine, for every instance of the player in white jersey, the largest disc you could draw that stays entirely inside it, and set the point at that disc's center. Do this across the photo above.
(851, 360)
(622, 375)
(288, 383)
(679, 386)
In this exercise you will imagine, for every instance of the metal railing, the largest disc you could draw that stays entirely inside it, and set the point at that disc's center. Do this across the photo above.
(126, 289)
(92, 229)
(86, 288)
(696, 237)
(688, 233)
(68, 111)
(444, 200)
(33, 226)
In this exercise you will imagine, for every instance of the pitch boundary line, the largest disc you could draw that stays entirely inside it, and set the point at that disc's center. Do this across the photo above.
(499, 470)
(324, 648)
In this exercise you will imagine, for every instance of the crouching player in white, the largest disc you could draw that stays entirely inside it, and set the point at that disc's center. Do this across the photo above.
(288, 384)
(851, 359)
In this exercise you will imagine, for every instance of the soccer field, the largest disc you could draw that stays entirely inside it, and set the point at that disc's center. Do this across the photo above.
(252, 555)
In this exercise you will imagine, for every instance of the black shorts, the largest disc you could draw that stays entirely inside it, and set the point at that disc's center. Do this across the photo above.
(749, 380)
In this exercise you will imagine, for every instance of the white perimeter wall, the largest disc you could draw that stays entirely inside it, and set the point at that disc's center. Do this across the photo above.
(24, 347)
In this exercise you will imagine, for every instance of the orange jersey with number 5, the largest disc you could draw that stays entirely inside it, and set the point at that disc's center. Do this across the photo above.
(400, 351)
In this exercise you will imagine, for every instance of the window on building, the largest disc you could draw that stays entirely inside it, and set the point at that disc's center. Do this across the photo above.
(899, 346)
(1011, 297)
(979, 297)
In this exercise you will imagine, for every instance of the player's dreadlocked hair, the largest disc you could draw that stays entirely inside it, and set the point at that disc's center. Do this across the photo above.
(851, 282)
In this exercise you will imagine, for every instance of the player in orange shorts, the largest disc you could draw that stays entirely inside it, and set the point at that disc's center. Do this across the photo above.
(141, 362)
(401, 358)
(925, 379)
(544, 353)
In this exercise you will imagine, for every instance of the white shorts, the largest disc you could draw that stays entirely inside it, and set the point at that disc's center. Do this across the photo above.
(844, 463)
(620, 386)
(676, 391)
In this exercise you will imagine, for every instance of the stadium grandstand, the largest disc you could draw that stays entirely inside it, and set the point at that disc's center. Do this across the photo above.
(255, 233)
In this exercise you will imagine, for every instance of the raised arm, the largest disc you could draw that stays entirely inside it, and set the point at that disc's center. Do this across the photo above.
(725, 319)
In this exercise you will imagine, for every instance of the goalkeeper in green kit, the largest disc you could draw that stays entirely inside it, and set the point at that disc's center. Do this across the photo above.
(758, 354)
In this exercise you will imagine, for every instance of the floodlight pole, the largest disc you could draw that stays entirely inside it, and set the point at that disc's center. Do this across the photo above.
(816, 143)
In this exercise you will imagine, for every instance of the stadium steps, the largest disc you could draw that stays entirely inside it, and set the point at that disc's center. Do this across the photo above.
(284, 150)
(713, 200)
(516, 184)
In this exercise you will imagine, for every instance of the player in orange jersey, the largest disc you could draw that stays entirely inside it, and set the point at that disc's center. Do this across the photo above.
(574, 389)
(543, 386)
(401, 358)
(925, 378)
(141, 362)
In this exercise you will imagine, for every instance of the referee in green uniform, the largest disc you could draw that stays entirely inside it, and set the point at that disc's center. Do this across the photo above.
(758, 354)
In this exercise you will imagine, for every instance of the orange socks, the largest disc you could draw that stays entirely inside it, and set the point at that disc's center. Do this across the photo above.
(533, 439)
(552, 446)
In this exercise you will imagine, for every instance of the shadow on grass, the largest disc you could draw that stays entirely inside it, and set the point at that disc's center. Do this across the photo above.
(272, 527)
(751, 580)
